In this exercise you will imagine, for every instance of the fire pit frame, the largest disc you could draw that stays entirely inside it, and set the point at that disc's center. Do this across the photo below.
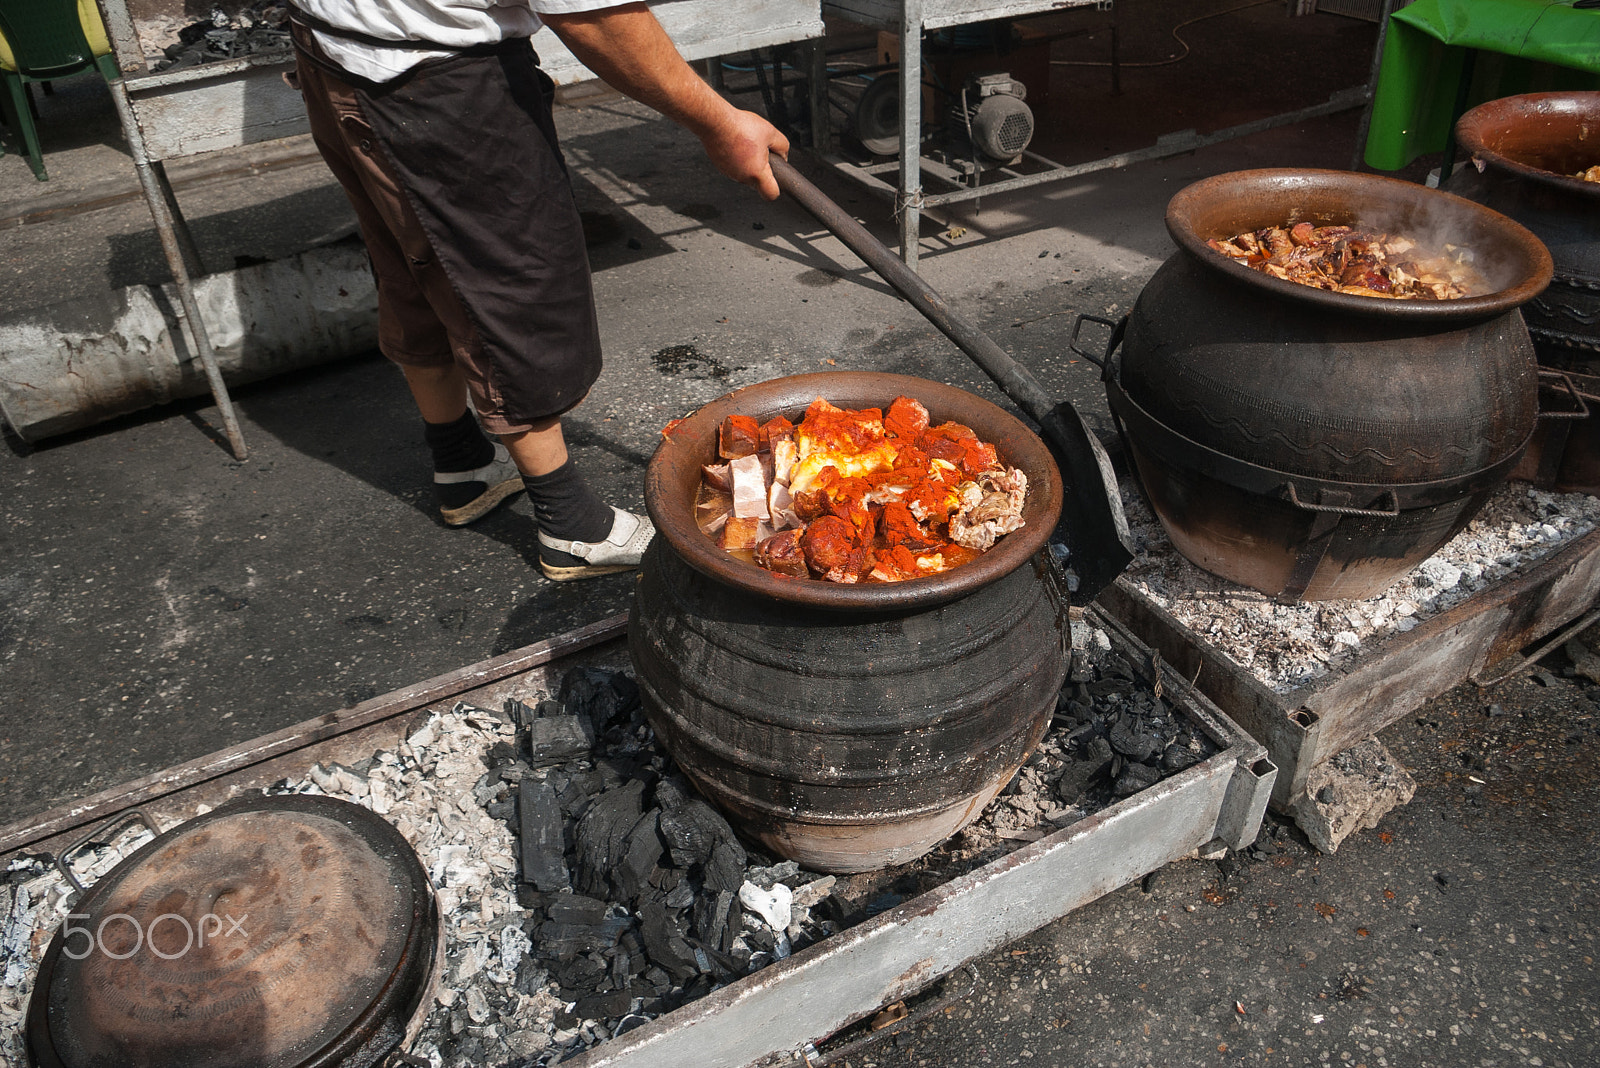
(847, 977)
(1481, 639)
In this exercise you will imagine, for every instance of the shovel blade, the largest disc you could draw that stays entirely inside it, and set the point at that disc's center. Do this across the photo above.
(1093, 527)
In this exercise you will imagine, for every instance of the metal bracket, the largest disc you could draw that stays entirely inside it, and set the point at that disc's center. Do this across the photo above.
(109, 828)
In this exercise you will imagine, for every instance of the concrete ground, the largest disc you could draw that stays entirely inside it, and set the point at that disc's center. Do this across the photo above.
(159, 600)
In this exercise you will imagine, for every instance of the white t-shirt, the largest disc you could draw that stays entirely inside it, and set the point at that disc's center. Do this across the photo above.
(456, 23)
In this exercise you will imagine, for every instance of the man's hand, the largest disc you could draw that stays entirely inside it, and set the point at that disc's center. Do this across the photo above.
(627, 47)
(741, 148)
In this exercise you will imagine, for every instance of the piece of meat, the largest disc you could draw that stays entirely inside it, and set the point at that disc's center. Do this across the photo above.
(906, 418)
(898, 527)
(717, 477)
(810, 505)
(775, 430)
(738, 436)
(894, 564)
(833, 551)
(996, 513)
(713, 526)
(740, 534)
(1303, 234)
(749, 488)
(785, 454)
(780, 507)
(782, 554)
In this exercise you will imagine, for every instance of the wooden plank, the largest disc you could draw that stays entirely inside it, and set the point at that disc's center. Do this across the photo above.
(703, 28)
(32, 830)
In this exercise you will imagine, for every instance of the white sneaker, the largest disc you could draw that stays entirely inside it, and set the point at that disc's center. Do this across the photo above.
(621, 550)
(499, 479)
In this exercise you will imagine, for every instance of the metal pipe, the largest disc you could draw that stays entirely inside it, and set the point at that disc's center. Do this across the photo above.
(188, 310)
(1014, 379)
(1093, 527)
(908, 204)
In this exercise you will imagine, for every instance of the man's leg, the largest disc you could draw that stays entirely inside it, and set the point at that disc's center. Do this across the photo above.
(567, 509)
(471, 476)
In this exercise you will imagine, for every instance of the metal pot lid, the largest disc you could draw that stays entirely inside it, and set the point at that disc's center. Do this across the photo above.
(270, 933)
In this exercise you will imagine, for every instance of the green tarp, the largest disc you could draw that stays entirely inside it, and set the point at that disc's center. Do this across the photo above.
(1525, 46)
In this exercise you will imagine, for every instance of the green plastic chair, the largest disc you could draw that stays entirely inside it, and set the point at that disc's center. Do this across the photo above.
(40, 41)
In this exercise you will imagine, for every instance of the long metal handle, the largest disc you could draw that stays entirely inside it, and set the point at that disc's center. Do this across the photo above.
(1014, 379)
(1093, 528)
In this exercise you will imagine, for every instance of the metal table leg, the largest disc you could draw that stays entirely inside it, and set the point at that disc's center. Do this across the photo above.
(908, 204)
(188, 310)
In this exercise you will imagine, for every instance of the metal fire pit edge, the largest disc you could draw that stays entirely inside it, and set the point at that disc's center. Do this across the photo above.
(1477, 639)
(851, 975)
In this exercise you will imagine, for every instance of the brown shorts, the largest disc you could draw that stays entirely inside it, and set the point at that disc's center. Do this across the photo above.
(464, 202)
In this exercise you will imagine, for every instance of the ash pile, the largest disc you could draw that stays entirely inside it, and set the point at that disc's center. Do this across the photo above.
(1290, 646)
(261, 28)
(583, 887)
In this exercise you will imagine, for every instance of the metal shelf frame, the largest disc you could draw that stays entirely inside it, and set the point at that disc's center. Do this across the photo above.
(910, 19)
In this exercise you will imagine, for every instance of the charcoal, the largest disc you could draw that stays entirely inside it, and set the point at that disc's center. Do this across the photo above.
(602, 834)
(603, 697)
(1081, 668)
(664, 941)
(643, 853)
(692, 831)
(1178, 757)
(566, 942)
(681, 897)
(501, 754)
(725, 870)
(604, 1006)
(1135, 737)
(1081, 774)
(543, 861)
(579, 973)
(576, 908)
(558, 740)
(666, 879)
(501, 810)
(629, 1022)
(1135, 777)
(711, 913)
(883, 903)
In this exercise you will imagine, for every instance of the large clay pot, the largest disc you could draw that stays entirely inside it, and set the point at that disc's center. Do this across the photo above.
(1523, 152)
(1313, 444)
(847, 727)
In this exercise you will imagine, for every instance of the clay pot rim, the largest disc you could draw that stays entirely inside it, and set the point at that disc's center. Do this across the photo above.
(1282, 193)
(1476, 127)
(674, 472)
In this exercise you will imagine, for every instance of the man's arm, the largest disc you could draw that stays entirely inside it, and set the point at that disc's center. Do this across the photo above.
(627, 47)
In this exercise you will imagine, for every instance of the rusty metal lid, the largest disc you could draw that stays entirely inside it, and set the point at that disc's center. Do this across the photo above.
(272, 933)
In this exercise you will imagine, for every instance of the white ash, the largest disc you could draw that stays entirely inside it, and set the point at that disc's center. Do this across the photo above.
(425, 787)
(1291, 646)
(34, 900)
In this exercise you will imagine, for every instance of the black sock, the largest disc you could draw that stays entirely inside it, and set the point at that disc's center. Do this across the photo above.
(458, 446)
(566, 507)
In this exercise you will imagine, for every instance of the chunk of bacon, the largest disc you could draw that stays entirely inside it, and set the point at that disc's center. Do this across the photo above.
(906, 418)
(782, 554)
(743, 534)
(738, 436)
(833, 551)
